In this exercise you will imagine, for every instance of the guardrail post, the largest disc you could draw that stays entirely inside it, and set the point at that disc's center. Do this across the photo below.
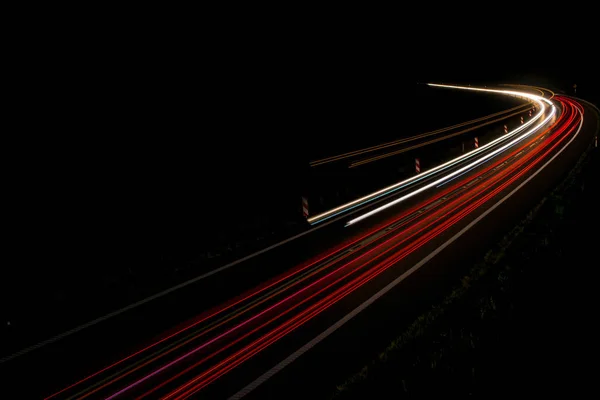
(305, 207)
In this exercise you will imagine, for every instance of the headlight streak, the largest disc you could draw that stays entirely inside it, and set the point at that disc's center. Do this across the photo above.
(402, 239)
(393, 153)
(395, 143)
(457, 176)
(524, 168)
(276, 281)
(315, 219)
(202, 380)
(476, 162)
(249, 351)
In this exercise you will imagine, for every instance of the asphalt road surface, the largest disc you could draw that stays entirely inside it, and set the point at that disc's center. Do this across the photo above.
(294, 321)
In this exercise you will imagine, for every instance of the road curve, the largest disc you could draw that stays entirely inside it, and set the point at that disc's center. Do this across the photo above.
(244, 346)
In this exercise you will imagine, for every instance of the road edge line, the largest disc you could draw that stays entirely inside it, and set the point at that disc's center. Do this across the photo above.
(291, 358)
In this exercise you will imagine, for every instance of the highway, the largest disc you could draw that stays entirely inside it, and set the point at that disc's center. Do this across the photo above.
(291, 320)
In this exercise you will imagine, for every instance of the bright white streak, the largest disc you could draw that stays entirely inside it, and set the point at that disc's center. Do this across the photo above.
(333, 328)
(330, 213)
(476, 162)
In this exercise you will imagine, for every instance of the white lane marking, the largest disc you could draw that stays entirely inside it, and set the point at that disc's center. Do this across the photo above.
(217, 270)
(176, 287)
(264, 377)
(158, 295)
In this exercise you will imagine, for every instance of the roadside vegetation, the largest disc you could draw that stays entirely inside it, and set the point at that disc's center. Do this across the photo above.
(519, 321)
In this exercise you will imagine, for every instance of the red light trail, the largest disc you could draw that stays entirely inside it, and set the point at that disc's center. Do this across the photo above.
(188, 360)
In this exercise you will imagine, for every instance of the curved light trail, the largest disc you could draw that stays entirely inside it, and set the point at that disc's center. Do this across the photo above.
(186, 362)
(437, 139)
(479, 160)
(540, 101)
(501, 115)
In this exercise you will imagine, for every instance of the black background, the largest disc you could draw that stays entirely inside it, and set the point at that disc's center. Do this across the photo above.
(131, 146)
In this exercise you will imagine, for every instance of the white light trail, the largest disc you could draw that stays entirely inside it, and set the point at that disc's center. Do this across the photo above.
(412, 180)
(536, 98)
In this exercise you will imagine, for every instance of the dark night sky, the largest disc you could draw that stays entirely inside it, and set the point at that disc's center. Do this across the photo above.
(143, 146)
(246, 122)
(145, 136)
(265, 101)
